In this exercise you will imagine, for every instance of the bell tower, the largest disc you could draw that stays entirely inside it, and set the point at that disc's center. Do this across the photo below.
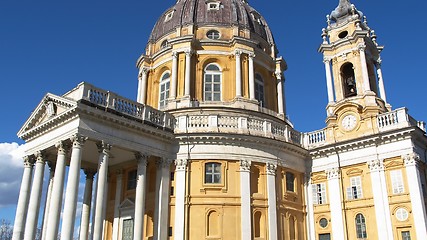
(352, 61)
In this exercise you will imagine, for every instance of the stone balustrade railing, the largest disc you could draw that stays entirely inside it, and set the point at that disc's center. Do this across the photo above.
(113, 102)
(397, 119)
(315, 138)
(236, 123)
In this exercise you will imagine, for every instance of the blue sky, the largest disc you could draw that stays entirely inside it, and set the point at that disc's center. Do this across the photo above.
(51, 46)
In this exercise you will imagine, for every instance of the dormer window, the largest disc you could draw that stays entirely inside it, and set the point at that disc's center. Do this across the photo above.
(257, 17)
(213, 5)
(213, 34)
(168, 15)
(164, 44)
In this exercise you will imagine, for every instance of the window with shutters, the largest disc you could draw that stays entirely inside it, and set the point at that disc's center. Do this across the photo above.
(319, 193)
(397, 181)
(355, 189)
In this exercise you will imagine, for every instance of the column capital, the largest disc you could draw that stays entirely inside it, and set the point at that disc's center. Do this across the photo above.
(332, 173)
(104, 147)
(376, 165)
(28, 161)
(90, 173)
(188, 52)
(143, 71)
(181, 164)
(141, 156)
(245, 165)
(326, 59)
(237, 53)
(175, 54)
(163, 163)
(361, 47)
(278, 75)
(62, 147)
(78, 140)
(411, 159)
(40, 156)
(378, 62)
(271, 168)
(252, 55)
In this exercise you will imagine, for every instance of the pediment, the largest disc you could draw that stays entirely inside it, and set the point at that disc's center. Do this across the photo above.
(393, 164)
(127, 203)
(49, 108)
(354, 171)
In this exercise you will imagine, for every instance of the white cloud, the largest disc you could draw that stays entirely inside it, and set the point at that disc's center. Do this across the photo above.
(11, 169)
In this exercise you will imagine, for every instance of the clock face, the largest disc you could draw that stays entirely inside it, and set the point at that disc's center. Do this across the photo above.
(349, 122)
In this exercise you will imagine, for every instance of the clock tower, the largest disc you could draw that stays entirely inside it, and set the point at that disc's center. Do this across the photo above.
(355, 85)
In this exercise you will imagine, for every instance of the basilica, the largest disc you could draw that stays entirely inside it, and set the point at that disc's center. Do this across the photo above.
(206, 150)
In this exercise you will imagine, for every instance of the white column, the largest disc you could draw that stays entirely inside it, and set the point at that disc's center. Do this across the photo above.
(364, 66)
(87, 200)
(142, 85)
(381, 80)
(237, 54)
(71, 193)
(57, 191)
(161, 224)
(24, 197)
(416, 194)
(116, 221)
(280, 102)
(310, 207)
(382, 207)
(329, 83)
(251, 77)
(335, 203)
(48, 197)
(140, 196)
(35, 197)
(104, 154)
(174, 77)
(245, 196)
(187, 83)
(272, 203)
(180, 183)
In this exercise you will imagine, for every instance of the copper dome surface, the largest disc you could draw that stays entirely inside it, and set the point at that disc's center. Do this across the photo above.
(195, 12)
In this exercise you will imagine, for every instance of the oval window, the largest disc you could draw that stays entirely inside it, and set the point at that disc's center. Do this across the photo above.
(343, 34)
(213, 34)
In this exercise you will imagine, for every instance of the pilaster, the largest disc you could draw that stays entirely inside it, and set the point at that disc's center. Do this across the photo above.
(245, 196)
(272, 201)
(335, 203)
(180, 185)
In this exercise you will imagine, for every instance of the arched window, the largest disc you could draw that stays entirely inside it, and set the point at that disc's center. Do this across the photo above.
(212, 83)
(164, 89)
(213, 173)
(213, 34)
(349, 80)
(164, 44)
(259, 89)
(361, 227)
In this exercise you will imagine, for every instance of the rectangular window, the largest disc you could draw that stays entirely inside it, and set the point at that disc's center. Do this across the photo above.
(131, 183)
(127, 233)
(325, 236)
(213, 173)
(406, 235)
(397, 181)
(355, 189)
(319, 193)
(290, 179)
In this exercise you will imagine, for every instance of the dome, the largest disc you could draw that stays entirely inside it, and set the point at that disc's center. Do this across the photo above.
(211, 13)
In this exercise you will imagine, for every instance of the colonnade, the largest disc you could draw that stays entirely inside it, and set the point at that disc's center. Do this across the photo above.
(189, 63)
(27, 214)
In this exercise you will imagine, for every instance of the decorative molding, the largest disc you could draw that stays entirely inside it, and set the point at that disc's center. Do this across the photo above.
(28, 161)
(271, 168)
(332, 173)
(376, 165)
(354, 171)
(62, 147)
(163, 163)
(245, 165)
(40, 156)
(103, 147)
(78, 140)
(181, 164)
(411, 159)
(361, 47)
